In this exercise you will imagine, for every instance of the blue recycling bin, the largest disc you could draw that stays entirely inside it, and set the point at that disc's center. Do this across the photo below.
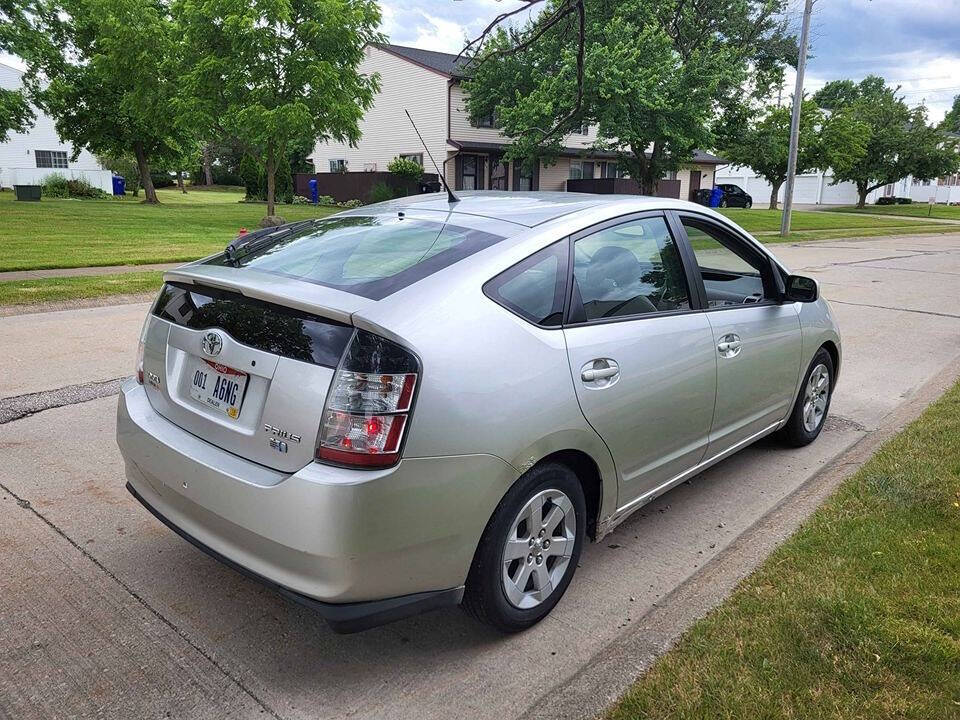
(119, 185)
(715, 197)
(314, 194)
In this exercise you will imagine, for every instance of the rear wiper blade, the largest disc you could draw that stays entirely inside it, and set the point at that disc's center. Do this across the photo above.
(253, 242)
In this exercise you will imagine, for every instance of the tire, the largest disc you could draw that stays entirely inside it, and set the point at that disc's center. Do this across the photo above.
(748, 204)
(803, 428)
(723, 202)
(493, 594)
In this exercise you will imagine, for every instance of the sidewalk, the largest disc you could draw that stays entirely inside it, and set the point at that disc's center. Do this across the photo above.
(87, 271)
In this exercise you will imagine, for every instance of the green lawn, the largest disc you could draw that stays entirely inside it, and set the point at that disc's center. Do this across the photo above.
(756, 220)
(82, 233)
(856, 616)
(920, 210)
(26, 292)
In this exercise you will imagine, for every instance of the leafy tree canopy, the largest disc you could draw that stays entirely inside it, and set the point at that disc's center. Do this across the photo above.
(276, 72)
(106, 81)
(651, 74)
(827, 140)
(951, 123)
(16, 115)
(901, 142)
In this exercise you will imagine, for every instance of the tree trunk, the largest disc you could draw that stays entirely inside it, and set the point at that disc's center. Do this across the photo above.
(180, 182)
(774, 194)
(271, 180)
(862, 191)
(149, 192)
(207, 167)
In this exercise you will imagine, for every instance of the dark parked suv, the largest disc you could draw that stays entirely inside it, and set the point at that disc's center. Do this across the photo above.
(734, 196)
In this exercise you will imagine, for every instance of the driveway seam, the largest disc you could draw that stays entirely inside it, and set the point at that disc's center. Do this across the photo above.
(896, 309)
(22, 406)
(26, 505)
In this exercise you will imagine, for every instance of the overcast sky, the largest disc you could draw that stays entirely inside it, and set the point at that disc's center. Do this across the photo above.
(912, 43)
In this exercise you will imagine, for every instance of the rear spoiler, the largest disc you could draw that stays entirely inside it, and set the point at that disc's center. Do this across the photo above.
(249, 243)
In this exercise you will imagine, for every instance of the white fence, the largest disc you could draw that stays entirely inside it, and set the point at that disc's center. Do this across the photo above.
(35, 176)
(809, 189)
(946, 194)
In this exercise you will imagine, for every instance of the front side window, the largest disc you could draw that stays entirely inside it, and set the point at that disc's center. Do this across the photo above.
(535, 287)
(731, 274)
(630, 269)
(369, 256)
(51, 159)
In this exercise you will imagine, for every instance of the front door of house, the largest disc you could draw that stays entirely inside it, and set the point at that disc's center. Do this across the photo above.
(694, 184)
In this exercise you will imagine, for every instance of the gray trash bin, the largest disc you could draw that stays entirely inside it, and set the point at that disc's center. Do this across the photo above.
(27, 192)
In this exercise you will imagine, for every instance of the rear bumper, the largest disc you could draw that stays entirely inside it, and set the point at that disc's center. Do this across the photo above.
(344, 617)
(325, 536)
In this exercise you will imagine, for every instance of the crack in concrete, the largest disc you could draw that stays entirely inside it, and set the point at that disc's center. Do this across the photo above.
(26, 505)
(896, 309)
(916, 270)
(21, 406)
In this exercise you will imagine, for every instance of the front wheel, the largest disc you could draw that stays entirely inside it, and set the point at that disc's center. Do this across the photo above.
(813, 402)
(748, 204)
(723, 203)
(529, 550)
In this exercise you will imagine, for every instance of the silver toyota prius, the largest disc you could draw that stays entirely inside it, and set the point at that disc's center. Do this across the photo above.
(425, 403)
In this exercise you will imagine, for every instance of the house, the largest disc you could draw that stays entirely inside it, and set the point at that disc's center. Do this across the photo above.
(28, 158)
(813, 188)
(428, 84)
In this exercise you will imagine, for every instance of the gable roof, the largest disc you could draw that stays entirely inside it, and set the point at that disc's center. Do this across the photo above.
(441, 62)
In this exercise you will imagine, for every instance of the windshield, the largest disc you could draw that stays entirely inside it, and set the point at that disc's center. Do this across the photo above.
(369, 256)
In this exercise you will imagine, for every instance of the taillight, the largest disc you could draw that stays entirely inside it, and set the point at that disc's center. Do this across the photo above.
(368, 407)
(140, 347)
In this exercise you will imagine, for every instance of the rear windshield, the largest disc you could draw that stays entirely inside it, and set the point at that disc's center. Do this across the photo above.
(368, 256)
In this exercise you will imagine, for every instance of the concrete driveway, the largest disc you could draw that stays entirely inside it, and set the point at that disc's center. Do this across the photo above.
(106, 613)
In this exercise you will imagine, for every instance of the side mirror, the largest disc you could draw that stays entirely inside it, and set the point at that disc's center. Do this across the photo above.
(801, 289)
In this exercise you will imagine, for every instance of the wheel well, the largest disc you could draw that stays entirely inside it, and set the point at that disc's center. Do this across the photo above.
(835, 356)
(589, 475)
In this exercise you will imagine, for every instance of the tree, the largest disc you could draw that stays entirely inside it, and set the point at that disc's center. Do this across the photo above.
(16, 115)
(108, 85)
(951, 122)
(651, 74)
(406, 169)
(900, 143)
(276, 72)
(826, 141)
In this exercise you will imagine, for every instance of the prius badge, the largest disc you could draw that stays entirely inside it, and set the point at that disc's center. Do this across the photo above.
(212, 344)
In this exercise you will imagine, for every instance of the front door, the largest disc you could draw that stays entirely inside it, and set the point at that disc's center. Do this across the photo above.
(757, 339)
(642, 361)
(694, 184)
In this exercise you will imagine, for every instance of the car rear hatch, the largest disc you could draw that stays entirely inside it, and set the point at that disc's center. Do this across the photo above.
(242, 364)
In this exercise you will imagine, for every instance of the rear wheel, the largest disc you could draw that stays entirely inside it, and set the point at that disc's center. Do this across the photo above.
(748, 204)
(723, 202)
(529, 550)
(813, 403)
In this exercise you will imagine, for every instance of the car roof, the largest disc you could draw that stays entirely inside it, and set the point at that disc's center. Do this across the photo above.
(528, 209)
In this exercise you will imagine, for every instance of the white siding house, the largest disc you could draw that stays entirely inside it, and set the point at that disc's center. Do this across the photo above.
(809, 189)
(27, 158)
(427, 83)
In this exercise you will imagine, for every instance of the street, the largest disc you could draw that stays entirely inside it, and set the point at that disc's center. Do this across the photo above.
(104, 612)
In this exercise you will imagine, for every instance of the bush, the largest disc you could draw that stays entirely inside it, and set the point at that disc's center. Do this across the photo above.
(904, 201)
(161, 179)
(55, 186)
(299, 200)
(885, 201)
(350, 203)
(326, 200)
(406, 169)
(382, 192)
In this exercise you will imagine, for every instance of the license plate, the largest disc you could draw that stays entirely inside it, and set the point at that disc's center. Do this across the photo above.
(218, 387)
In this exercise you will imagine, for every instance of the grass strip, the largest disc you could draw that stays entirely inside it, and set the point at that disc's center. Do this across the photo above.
(28, 292)
(855, 616)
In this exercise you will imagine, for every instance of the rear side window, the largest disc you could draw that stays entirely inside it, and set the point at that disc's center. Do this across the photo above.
(535, 287)
(369, 256)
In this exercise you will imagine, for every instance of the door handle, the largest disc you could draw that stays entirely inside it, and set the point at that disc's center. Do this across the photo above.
(730, 345)
(602, 372)
(599, 374)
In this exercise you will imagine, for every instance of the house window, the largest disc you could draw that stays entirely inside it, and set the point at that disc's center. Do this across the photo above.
(524, 179)
(51, 159)
(415, 157)
(338, 166)
(484, 121)
(581, 169)
(498, 175)
(608, 170)
(670, 175)
(470, 169)
(584, 129)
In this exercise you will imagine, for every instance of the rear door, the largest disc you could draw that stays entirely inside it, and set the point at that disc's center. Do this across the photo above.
(756, 339)
(641, 354)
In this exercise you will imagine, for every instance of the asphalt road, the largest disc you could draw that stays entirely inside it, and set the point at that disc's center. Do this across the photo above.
(106, 613)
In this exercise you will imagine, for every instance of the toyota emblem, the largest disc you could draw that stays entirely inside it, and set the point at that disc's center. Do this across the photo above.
(212, 344)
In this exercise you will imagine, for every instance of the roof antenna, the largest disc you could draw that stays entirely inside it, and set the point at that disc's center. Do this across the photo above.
(450, 196)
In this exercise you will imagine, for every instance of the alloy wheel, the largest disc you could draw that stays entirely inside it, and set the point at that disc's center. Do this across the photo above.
(538, 547)
(815, 398)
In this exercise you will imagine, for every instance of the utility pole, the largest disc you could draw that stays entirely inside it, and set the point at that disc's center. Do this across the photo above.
(795, 121)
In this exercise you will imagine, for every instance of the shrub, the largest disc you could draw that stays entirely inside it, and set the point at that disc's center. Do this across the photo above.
(381, 192)
(161, 179)
(326, 200)
(350, 203)
(299, 200)
(406, 169)
(885, 201)
(904, 201)
(55, 186)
